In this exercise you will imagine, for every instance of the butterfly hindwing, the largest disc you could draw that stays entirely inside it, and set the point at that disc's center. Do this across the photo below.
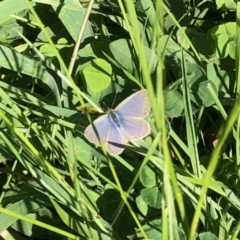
(116, 140)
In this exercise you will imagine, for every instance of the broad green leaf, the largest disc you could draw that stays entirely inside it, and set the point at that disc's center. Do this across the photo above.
(206, 236)
(142, 206)
(24, 227)
(125, 55)
(232, 50)
(12, 7)
(153, 230)
(173, 103)
(54, 31)
(32, 201)
(219, 77)
(72, 15)
(152, 196)
(148, 177)
(231, 5)
(204, 44)
(8, 32)
(204, 93)
(82, 150)
(167, 45)
(182, 41)
(31, 230)
(47, 50)
(223, 35)
(97, 75)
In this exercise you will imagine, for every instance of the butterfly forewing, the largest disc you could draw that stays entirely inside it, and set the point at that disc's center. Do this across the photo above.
(102, 126)
(137, 105)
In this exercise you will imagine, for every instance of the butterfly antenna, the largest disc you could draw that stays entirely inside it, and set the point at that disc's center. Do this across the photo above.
(114, 99)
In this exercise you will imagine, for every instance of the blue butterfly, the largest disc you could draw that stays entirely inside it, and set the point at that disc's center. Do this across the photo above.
(122, 124)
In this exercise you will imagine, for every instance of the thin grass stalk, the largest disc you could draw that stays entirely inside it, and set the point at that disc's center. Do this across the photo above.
(124, 198)
(182, 31)
(170, 181)
(80, 36)
(180, 143)
(71, 159)
(136, 177)
(238, 144)
(190, 127)
(62, 64)
(134, 31)
(9, 178)
(236, 232)
(224, 132)
(217, 102)
(42, 161)
(68, 81)
(38, 223)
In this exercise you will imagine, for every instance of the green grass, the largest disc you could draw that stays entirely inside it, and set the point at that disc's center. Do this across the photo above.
(63, 64)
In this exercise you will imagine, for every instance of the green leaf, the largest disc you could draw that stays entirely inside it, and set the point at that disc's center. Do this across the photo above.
(72, 15)
(30, 203)
(82, 150)
(148, 177)
(167, 45)
(223, 35)
(152, 229)
(124, 54)
(29, 229)
(231, 5)
(206, 236)
(142, 206)
(152, 196)
(173, 103)
(204, 94)
(8, 32)
(204, 44)
(12, 7)
(97, 75)
(82, 227)
(47, 50)
(184, 43)
(219, 77)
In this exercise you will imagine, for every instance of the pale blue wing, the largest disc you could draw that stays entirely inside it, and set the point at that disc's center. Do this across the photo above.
(109, 133)
(135, 128)
(136, 105)
(102, 125)
(125, 124)
(116, 140)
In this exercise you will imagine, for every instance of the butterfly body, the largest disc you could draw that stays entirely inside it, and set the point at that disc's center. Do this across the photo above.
(125, 123)
(114, 117)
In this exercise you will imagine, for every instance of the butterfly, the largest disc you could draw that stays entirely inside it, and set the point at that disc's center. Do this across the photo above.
(123, 124)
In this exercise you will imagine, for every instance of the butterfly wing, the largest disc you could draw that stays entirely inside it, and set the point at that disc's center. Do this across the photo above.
(109, 133)
(130, 114)
(137, 105)
(116, 141)
(135, 128)
(102, 126)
